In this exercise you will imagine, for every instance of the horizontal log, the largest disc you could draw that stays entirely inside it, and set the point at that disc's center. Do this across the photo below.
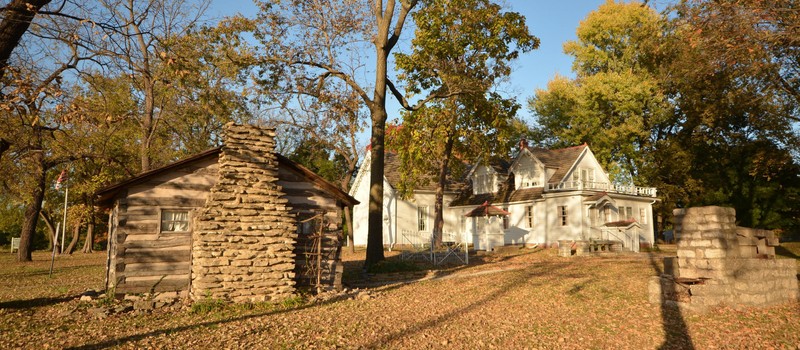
(166, 285)
(155, 256)
(154, 267)
(185, 239)
(177, 201)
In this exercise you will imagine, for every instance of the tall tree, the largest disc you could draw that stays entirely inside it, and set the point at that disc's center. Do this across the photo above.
(309, 43)
(615, 102)
(17, 18)
(138, 48)
(473, 61)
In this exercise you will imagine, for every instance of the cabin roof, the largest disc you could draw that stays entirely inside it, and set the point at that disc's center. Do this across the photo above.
(105, 195)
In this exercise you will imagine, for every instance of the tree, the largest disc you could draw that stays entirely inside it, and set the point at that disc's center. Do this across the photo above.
(308, 44)
(474, 61)
(615, 103)
(139, 48)
(17, 17)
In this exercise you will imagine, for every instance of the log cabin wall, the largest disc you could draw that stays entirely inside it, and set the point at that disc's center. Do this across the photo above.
(144, 256)
(243, 247)
(308, 200)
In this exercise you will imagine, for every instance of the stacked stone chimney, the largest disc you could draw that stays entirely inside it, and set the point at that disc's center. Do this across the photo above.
(720, 263)
(244, 235)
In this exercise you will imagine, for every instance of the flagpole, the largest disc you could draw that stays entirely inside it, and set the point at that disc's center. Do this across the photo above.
(55, 243)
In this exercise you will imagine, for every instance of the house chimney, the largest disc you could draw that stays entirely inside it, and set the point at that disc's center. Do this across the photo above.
(523, 143)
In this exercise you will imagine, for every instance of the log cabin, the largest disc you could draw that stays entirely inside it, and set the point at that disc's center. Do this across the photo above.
(238, 222)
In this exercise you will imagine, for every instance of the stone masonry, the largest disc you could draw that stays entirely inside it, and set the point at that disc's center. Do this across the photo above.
(244, 236)
(720, 263)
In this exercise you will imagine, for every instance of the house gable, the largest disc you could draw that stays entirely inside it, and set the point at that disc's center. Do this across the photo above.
(586, 169)
(527, 170)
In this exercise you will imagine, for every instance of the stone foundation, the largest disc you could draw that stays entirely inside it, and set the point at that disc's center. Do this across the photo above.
(242, 248)
(720, 263)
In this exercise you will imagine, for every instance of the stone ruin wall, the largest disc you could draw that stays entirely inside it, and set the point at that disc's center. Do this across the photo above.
(720, 263)
(244, 238)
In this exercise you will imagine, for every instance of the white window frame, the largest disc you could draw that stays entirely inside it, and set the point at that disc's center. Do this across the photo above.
(422, 219)
(161, 220)
(529, 215)
(643, 216)
(629, 213)
(562, 212)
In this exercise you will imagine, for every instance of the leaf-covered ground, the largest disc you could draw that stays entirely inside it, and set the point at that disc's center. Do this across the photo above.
(527, 300)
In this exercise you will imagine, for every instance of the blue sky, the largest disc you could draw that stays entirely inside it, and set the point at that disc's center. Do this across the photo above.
(553, 22)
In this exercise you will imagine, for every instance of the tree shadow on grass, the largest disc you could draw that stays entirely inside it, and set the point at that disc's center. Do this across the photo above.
(504, 289)
(37, 302)
(675, 329)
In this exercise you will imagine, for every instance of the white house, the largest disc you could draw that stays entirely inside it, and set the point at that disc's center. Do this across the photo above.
(405, 221)
(550, 195)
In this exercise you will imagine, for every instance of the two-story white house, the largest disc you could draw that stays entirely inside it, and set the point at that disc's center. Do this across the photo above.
(550, 195)
(553, 195)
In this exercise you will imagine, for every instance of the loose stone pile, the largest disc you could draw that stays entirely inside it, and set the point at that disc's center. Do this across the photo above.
(720, 263)
(244, 236)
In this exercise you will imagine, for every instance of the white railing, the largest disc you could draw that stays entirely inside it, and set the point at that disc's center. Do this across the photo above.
(603, 186)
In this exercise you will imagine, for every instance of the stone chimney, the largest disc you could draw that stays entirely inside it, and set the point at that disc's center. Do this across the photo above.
(523, 144)
(244, 236)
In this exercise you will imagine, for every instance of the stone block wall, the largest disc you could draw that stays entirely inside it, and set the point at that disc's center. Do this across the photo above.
(720, 263)
(244, 237)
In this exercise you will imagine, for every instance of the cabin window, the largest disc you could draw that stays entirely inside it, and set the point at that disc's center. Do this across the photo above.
(422, 219)
(529, 215)
(174, 220)
(562, 211)
(643, 215)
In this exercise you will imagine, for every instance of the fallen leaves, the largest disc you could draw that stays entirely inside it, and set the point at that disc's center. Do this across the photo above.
(529, 300)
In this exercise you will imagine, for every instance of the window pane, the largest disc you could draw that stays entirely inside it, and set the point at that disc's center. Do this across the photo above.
(174, 220)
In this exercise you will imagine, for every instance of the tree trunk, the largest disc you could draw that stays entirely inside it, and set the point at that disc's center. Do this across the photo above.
(76, 231)
(17, 17)
(438, 221)
(51, 237)
(375, 221)
(31, 216)
(88, 244)
(348, 219)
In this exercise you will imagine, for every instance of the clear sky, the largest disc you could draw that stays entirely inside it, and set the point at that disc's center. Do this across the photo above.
(553, 22)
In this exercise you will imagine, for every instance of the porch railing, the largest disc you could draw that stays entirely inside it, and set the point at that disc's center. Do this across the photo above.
(603, 186)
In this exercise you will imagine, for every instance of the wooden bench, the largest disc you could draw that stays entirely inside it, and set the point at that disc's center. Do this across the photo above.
(14, 244)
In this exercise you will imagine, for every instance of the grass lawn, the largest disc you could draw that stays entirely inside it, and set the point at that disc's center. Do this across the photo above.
(530, 299)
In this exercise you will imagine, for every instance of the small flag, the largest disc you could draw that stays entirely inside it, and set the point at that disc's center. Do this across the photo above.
(61, 178)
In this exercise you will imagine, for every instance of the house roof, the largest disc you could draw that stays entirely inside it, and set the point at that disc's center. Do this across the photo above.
(505, 194)
(105, 195)
(560, 159)
(392, 171)
(623, 223)
(487, 209)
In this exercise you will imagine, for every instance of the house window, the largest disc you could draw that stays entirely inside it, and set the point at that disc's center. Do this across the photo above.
(174, 220)
(585, 175)
(422, 219)
(484, 183)
(629, 213)
(643, 216)
(562, 210)
(529, 215)
(606, 214)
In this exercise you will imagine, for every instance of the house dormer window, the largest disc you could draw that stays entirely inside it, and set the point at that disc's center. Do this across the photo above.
(483, 183)
(528, 177)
